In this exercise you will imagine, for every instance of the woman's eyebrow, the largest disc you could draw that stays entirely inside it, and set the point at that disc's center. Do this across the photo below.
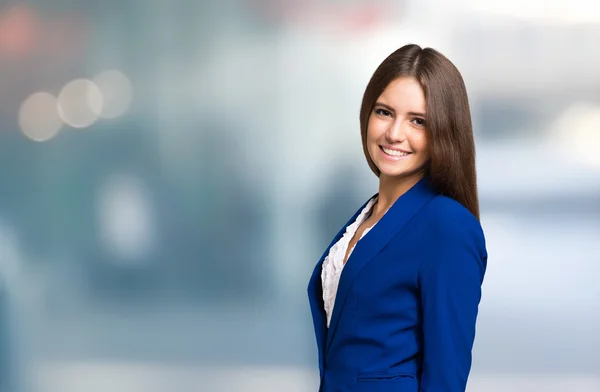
(387, 107)
(391, 109)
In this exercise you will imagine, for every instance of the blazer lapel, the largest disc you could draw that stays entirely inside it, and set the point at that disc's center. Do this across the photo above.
(315, 292)
(373, 242)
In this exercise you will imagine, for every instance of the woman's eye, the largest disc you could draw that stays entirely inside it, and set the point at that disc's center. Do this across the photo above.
(383, 112)
(419, 121)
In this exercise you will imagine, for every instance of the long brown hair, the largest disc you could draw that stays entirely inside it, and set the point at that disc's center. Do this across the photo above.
(451, 169)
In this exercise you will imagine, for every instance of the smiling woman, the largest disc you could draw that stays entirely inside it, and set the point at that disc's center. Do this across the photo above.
(428, 90)
(395, 296)
(396, 136)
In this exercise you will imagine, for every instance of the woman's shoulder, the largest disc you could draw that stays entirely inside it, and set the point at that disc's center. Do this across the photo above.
(448, 207)
(450, 228)
(449, 217)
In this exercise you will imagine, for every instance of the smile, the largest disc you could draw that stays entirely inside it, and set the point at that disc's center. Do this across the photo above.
(394, 153)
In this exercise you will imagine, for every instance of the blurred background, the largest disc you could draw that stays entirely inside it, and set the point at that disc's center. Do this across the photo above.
(172, 171)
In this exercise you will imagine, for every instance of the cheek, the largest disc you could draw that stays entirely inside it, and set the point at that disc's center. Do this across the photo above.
(374, 129)
(421, 142)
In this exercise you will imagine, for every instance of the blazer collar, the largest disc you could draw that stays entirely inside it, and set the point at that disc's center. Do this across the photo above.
(403, 209)
(315, 292)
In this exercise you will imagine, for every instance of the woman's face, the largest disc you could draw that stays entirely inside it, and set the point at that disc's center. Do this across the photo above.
(396, 134)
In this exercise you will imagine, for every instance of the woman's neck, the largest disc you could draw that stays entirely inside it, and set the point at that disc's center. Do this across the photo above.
(390, 189)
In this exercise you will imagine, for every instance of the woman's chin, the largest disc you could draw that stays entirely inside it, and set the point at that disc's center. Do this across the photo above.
(399, 174)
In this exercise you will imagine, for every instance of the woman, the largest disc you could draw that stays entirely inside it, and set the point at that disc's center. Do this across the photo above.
(395, 296)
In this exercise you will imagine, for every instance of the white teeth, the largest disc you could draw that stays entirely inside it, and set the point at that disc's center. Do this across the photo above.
(394, 153)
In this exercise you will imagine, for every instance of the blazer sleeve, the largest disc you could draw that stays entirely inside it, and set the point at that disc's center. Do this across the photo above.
(450, 279)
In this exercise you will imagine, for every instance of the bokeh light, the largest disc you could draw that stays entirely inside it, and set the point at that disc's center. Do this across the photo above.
(38, 117)
(80, 103)
(126, 221)
(578, 130)
(117, 92)
(20, 30)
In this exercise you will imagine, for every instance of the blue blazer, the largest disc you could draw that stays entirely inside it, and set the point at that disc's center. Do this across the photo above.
(407, 301)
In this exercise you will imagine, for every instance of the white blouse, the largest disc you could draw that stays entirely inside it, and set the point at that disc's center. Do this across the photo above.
(334, 262)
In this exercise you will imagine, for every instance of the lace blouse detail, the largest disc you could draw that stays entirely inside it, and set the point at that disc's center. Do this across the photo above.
(334, 262)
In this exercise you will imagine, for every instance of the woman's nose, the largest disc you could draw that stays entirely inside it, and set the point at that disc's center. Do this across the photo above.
(396, 132)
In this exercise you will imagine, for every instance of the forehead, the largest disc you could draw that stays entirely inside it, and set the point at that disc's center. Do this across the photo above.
(404, 94)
